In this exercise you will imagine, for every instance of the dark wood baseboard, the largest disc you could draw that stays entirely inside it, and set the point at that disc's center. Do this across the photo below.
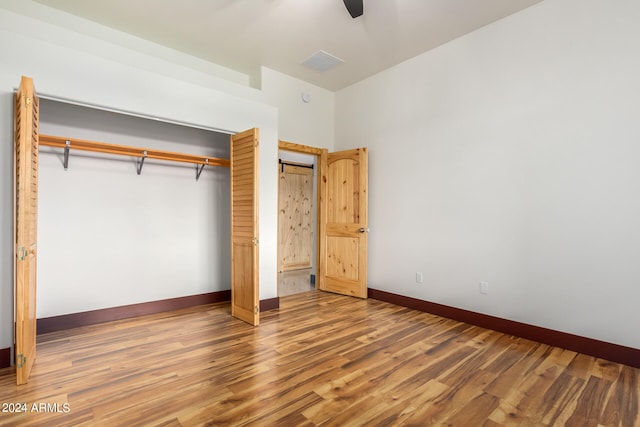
(74, 320)
(5, 357)
(86, 318)
(269, 304)
(592, 347)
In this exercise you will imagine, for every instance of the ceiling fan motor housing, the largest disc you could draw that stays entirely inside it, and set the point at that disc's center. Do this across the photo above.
(354, 7)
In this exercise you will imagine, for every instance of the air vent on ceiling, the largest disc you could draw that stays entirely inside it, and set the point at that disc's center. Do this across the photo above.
(322, 61)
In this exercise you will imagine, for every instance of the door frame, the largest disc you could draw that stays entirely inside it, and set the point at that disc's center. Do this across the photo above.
(321, 162)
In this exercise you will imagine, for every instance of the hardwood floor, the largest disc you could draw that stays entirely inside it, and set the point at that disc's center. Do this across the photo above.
(321, 359)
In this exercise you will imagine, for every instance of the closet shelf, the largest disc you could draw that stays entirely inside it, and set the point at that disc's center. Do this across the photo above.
(141, 153)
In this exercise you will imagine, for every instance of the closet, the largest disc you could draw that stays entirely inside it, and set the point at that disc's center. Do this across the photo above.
(145, 210)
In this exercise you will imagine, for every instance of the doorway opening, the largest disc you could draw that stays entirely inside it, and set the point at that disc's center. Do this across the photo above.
(298, 171)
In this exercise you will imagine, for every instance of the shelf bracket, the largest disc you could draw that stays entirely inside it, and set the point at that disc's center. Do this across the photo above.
(140, 162)
(67, 145)
(199, 169)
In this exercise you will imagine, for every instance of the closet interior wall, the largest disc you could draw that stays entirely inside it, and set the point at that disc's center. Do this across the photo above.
(109, 237)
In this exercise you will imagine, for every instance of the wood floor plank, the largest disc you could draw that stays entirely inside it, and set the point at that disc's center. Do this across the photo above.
(319, 360)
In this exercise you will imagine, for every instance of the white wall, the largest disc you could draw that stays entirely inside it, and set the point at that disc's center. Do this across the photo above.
(79, 65)
(308, 123)
(510, 155)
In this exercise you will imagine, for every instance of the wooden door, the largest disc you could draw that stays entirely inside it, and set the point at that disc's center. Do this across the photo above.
(244, 226)
(344, 224)
(295, 217)
(26, 219)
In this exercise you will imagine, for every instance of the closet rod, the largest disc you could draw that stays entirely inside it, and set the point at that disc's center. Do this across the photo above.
(284, 163)
(103, 147)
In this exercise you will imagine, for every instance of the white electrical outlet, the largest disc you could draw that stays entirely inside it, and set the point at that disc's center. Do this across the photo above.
(484, 288)
(418, 277)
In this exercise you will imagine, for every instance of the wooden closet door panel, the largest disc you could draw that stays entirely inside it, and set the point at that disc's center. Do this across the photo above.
(244, 226)
(26, 220)
(295, 217)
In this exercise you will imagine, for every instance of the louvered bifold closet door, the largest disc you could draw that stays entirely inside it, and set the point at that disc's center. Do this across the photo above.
(244, 226)
(26, 220)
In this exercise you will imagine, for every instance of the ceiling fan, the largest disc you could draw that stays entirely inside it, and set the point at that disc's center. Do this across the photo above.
(354, 7)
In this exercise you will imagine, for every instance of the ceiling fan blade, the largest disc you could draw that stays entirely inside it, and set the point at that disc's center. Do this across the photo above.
(354, 7)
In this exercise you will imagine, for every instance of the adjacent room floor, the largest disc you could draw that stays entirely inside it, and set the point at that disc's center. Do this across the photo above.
(295, 281)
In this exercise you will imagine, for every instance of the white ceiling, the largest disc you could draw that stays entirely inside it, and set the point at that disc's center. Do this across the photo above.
(280, 34)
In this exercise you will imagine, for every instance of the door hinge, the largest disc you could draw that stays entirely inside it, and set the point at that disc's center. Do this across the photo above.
(20, 360)
(255, 241)
(27, 101)
(22, 253)
(256, 310)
